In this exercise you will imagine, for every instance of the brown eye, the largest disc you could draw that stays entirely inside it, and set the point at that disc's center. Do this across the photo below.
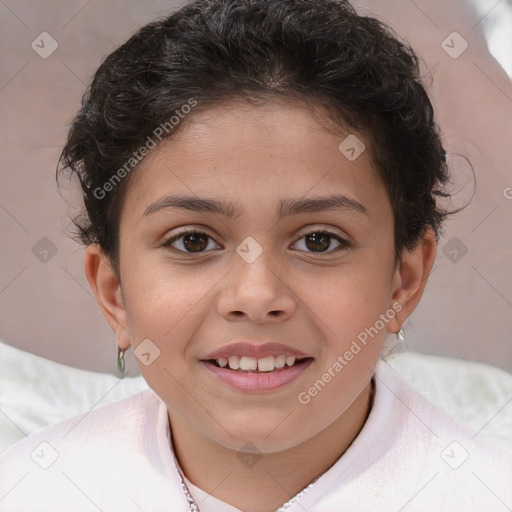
(196, 242)
(318, 242)
(321, 241)
(190, 241)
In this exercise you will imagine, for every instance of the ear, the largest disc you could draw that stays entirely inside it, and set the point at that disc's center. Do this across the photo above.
(410, 278)
(108, 293)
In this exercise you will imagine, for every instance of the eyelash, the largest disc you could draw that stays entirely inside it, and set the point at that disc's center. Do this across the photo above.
(344, 244)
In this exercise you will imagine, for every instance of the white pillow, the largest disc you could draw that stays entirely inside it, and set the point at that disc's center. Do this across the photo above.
(36, 392)
(474, 393)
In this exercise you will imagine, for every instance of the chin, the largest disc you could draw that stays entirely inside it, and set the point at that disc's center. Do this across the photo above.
(268, 434)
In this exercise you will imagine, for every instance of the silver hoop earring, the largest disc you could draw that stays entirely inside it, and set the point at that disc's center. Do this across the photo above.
(400, 336)
(121, 366)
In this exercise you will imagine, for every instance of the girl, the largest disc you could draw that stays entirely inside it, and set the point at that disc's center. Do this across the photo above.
(259, 180)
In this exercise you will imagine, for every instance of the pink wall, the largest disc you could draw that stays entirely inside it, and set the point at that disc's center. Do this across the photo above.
(46, 307)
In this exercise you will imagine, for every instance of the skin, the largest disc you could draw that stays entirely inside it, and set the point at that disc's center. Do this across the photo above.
(189, 304)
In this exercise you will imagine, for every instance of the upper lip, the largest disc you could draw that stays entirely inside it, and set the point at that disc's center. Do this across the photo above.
(257, 350)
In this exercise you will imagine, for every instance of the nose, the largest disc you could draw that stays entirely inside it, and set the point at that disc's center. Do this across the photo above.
(258, 292)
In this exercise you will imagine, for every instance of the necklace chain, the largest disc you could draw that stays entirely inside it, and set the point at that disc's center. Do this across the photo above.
(193, 506)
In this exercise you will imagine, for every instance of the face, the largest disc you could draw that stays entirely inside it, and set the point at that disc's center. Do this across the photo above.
(316, 278)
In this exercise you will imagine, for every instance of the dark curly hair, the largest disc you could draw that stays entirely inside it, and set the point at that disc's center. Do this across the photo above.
(317, 51)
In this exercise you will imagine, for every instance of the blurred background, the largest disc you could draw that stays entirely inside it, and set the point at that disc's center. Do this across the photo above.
(50, 50)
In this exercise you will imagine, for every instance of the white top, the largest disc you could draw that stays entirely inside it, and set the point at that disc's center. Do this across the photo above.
(409, 456)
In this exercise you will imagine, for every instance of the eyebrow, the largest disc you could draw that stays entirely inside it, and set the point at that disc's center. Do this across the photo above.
(233, 210)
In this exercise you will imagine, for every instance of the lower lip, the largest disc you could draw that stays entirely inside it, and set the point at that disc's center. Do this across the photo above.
(254, 382)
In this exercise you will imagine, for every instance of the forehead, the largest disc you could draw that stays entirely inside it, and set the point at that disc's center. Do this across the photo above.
(273, 149)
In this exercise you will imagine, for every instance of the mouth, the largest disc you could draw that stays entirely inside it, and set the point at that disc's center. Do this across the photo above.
(251, 375)
(269, 364)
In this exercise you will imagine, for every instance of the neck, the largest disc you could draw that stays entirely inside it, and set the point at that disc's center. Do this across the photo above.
(276, 477)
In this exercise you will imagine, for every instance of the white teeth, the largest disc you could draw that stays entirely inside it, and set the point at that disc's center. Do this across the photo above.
(290, 360)
(266, 364)
(234, 362)
(279, 361)
(262, 364)
(248, 363)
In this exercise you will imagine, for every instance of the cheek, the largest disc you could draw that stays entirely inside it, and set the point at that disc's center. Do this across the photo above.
(353, 330)
(349, 298)
(348, 307)
(161, 302)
